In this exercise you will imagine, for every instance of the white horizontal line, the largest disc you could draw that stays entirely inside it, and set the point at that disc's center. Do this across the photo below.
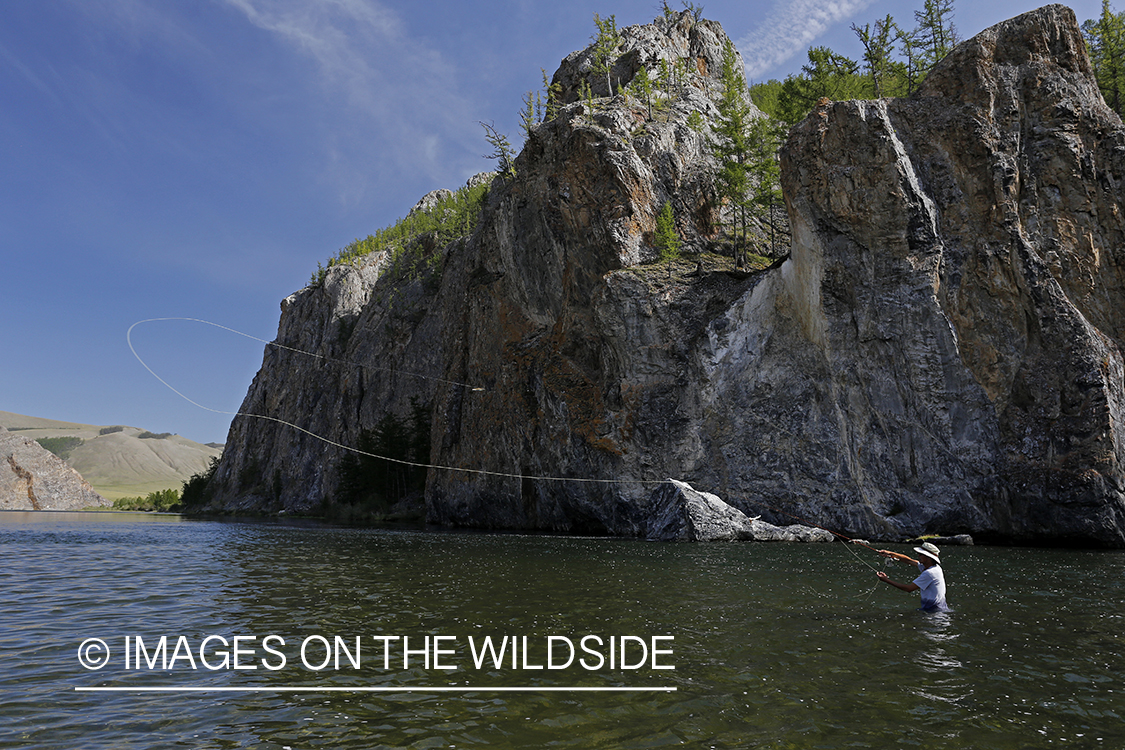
(313, 689)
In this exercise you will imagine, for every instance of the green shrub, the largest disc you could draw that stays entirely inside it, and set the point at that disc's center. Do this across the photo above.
(452, 217)
(197, 490)
(60, 446)
(111, 430)
(161, 500)
(665, 238)
(695, 121)
(146, 435)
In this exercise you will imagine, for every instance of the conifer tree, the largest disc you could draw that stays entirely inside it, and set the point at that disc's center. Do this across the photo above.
(830, 75)
(912, 66)
(502, 150)
(531, 113)
(687, 70)
(826, 76)
(552, 91)
(935, 30)
(878, 44)
(731, 147)
(665, 238)
(641, 86)
(368, 479)
(765, 138)
(664, 78)
(1105, 39)
(606, 42)
(833, 76)
(587, 95)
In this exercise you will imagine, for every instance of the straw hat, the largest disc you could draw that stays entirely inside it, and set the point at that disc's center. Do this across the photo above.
(929, 550)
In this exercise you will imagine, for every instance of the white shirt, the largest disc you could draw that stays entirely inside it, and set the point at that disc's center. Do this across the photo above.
(931, 581)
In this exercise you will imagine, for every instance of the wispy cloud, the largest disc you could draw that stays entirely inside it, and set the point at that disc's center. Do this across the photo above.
(398, 95)
(28, 74)
(789, 29)
(341, 36)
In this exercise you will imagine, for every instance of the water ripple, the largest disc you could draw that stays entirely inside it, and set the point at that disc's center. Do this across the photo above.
(775, 645)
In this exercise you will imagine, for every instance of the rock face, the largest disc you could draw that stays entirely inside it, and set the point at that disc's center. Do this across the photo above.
(956, 273)
(33, 478)
(940, 352)
(345, 354)
(587, 362)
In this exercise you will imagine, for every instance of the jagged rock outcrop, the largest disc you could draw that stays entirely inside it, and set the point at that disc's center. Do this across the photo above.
(679, 513)
(33, 478)
(359, 345)
(956, 274)
(940, 353)
(586, 358)
(682, 514)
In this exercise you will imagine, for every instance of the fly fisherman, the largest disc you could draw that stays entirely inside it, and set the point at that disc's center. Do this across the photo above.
(930, 581)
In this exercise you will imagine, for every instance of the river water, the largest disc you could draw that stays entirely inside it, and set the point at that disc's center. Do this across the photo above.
(773, 645)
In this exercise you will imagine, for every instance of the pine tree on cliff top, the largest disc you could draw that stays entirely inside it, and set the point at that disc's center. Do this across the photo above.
(766, 137)
(910, 70)
(606, 42)
(502, 150)
(936, 30)
(878, 44)
(730, 145)
(1105, 39)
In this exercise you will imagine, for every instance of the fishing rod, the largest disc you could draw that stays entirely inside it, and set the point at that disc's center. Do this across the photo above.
(885, 554)
(806, 522)
(847, 539)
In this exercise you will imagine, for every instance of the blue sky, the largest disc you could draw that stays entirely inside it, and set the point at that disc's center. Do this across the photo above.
(198, 158)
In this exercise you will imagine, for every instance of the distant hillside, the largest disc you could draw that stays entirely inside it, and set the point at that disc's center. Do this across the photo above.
(117, 460)
(34, 478)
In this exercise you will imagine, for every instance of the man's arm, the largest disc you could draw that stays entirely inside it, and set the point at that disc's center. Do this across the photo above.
(907, 587)
(898, 556)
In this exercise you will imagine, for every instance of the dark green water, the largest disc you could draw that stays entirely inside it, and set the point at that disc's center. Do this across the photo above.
(775, 646)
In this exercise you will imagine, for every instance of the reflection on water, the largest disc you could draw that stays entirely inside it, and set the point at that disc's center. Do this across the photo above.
(780, 646)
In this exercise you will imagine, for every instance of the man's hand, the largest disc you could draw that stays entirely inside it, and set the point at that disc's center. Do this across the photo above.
(907, 587)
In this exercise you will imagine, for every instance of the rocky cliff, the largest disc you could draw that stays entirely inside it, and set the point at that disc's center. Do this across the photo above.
(33, 478)
(940, 352)
(504, 309)
(956, 274)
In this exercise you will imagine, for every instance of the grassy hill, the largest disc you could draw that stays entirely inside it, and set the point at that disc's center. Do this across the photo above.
(119, 461)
